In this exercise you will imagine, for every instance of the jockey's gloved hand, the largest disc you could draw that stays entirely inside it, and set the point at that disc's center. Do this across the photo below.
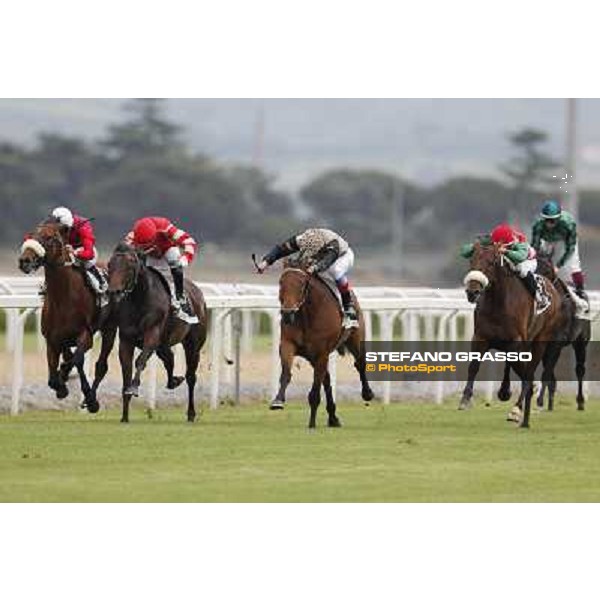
(262, 266)
(312, 269)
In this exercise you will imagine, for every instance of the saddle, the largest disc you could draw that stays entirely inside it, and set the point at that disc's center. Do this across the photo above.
(169, 287)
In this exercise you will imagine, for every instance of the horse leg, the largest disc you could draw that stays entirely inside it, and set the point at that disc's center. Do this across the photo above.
(67, 364)
(314, 397)
(151, 341)
(286, 354)
(333, 420)
(84, 343)
(192, 358)
(126, 359)
(529, 370)
(168, 360)
(580, 347)
(360, 364)
(549, 361)
(504, 393)
(466, 401)
(55, 380)
(101, 368)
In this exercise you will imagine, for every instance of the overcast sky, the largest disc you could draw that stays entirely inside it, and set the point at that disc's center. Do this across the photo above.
(423, 139)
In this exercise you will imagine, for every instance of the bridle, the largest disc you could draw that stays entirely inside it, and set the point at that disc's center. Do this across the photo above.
(305, 289)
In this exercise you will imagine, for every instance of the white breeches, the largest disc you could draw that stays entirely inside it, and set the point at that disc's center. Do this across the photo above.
(339, 269)
(171, 259)
(527, 266)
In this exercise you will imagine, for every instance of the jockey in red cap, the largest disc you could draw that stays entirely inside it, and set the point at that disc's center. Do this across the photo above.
(166, 244)
(82, 242)
(515, 247)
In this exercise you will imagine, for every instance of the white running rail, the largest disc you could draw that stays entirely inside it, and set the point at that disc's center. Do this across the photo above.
(425, 314)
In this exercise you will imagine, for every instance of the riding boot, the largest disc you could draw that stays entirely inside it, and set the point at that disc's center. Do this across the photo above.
(530, 284)
(350, 316)
(99, 277)
(177, 274)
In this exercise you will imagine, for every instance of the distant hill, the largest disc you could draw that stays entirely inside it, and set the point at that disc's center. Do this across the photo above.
(423, 139)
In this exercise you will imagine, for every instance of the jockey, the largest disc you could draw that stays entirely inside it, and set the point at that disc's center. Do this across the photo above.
(82, 242)
(166, 244)
(556, 229)
(321, 251)
(514, 246)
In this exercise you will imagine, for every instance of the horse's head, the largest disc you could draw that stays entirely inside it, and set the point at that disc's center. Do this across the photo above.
(293, 291)
(47, 245)
(545, 265)
(124, 268)
(484, 264)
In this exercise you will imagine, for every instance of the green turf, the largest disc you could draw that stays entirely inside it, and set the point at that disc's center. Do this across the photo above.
(420, 453)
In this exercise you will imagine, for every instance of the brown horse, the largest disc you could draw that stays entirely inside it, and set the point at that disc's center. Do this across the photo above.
(311, 327)
(145, 320)
(70, 313)
(505, 319)
(571, 331)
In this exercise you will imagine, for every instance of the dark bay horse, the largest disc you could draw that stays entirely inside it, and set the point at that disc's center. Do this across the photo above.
(143, 311)
(311, 327)
(505, 319)
(70, 313)
(571, 331)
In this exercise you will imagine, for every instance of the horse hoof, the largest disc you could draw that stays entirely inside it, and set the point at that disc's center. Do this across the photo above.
(334, 423)
(368, 395)
(277, 405)
(175, 383)
(504, 396)
(93, 407)
(124, 420)
(465, 405)
(580, 407)
(524, 426)
(514, 416)
(149, 414)
(62, 392)
(191, 418)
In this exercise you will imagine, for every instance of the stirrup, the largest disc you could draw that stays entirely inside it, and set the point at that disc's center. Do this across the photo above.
(350, 320)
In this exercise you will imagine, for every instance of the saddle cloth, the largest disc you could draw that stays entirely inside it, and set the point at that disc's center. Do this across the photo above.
(101, 299)
(543, 298)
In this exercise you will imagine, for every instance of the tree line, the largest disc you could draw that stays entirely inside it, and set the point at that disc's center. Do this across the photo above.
(142, 166)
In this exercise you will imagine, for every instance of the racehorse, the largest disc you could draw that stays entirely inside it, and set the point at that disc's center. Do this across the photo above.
(505, 319)
(571, 331)
(311, 327)
(70, 313)
(142, 303)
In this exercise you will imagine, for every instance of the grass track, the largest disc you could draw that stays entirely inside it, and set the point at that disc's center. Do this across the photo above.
(418, 453)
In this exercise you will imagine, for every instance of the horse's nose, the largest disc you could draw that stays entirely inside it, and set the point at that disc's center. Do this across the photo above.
(25, 265)
(288, 317)
(473, 295)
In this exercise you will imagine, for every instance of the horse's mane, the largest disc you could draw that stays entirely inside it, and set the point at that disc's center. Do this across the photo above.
(124, 248)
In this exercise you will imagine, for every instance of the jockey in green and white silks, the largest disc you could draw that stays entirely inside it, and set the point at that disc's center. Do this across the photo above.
(321, 251)
(555, 234)
(515, 247)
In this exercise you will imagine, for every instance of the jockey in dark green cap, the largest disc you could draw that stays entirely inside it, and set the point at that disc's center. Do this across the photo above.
(555, 234)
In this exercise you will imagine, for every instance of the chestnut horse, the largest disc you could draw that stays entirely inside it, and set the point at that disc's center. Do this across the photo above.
(142, 304)
(70, 313)
(505, 319)
(311, 327)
